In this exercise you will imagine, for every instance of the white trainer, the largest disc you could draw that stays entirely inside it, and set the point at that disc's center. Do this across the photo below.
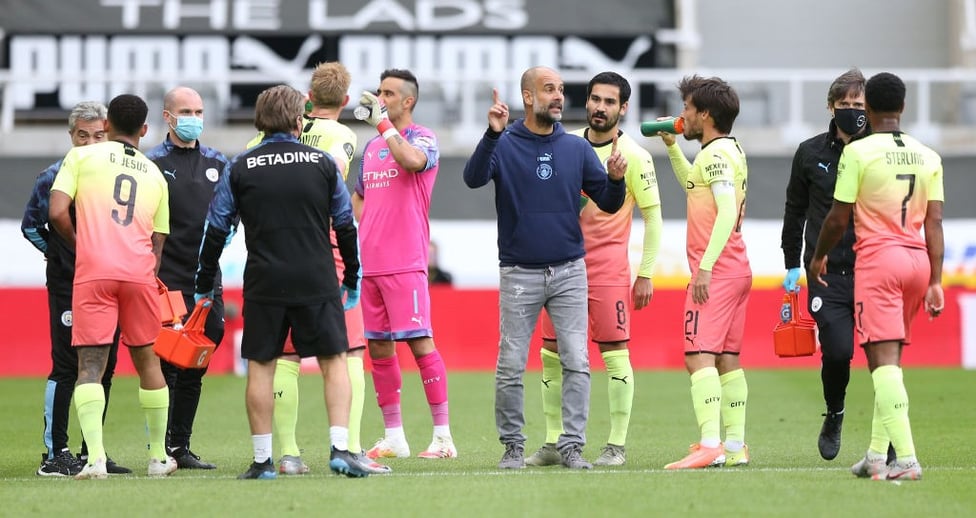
(93, 471)
(373, 467)
(387, 448)
(440, 448)
(159, 468)
(292, 465)
(872, 465)
(902, 470)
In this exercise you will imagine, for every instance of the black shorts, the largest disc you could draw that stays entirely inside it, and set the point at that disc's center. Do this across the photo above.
(833, 309)
(316, 330)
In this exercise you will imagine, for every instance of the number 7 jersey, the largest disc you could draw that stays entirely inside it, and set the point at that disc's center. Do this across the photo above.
(120, 200)
(889, 177)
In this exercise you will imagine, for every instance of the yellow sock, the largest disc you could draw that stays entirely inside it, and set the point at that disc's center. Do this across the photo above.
(155, 405)
(552, 394)
(706, 394)
(357, 379)
(620, 391)
(879, 435)
(892, 402)
(286, 406)
(90, 405)
(735, 394)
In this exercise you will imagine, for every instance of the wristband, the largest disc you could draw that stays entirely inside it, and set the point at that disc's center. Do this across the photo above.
(386, 128)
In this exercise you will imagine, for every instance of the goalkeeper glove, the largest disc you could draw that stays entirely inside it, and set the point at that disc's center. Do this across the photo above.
(377, 116)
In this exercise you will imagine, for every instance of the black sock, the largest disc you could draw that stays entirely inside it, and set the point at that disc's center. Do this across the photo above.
(835, 375)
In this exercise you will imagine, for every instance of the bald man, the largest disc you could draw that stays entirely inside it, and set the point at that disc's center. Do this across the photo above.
(540, 250)
(192, 171)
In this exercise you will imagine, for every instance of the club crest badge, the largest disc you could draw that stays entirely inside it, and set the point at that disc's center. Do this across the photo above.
(816, 304)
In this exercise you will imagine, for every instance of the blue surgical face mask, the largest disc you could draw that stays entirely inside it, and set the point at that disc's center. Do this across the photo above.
(188, 127)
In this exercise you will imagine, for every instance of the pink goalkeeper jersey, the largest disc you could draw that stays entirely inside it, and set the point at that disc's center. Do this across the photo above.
(120, 199)
(720, 160)
(889, 177)
(606, 237)
(394, 233)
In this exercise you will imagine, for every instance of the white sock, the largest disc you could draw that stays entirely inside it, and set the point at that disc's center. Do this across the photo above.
(442, 430)
(733, 445)
(395, 433)
(262, 447)
(339, 436)
(710, 443)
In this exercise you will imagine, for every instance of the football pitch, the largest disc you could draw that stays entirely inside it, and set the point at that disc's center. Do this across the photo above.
(786, 476)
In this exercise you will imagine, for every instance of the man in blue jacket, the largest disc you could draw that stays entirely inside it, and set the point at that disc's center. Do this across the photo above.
(539, 170)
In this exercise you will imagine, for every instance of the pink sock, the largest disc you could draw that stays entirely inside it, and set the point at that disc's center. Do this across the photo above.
(388, 381)
(434, 376)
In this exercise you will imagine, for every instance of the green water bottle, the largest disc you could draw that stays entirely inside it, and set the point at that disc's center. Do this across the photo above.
(673, 125)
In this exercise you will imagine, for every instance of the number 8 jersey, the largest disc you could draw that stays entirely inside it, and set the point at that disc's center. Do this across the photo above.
(120, 200)
(890, 177)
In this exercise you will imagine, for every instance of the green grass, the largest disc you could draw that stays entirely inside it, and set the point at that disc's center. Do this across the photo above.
(787, 476)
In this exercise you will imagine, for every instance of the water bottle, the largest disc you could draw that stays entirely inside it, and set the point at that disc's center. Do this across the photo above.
(361, 112)
(672, 125)
(786, 311)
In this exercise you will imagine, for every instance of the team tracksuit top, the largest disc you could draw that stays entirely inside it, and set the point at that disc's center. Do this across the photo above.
(538, 179)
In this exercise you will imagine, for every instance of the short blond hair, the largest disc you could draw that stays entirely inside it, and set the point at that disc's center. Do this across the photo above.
(330, 84)
(278, 109)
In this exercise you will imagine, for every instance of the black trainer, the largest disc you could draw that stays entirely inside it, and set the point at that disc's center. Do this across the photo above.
(64, 464)
(186, 459)
(829, 442)
(260, 471)
(114, 468)
(111, 466)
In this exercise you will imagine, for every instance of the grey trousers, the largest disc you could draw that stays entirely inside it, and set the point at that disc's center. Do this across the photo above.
(562, 290)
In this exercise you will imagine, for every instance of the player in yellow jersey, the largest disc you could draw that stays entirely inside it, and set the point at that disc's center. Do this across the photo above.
(715, 304)
(121, 220)
(606, 238)
(893, 185)
(321, 129)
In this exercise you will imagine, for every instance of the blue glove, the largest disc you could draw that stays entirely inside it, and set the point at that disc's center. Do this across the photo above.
(197, 297)
(792, 277)
(351, 297)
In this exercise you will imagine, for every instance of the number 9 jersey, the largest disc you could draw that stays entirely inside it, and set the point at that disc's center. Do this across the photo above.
(120, 200)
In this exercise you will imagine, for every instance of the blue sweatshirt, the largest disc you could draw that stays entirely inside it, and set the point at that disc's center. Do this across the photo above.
(538, 179)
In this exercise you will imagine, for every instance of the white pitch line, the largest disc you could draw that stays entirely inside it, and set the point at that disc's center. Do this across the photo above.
(553, 471)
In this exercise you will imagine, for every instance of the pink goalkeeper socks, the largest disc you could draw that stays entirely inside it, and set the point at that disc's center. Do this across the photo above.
(388, 381)
(434, 376)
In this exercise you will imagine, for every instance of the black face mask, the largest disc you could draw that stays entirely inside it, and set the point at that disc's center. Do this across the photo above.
(850, 120)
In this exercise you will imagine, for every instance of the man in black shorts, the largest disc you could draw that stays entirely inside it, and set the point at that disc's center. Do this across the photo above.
(286, 193)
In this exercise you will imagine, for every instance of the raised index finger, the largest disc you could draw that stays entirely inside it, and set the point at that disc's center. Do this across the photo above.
(494, 96)
(613, 149)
